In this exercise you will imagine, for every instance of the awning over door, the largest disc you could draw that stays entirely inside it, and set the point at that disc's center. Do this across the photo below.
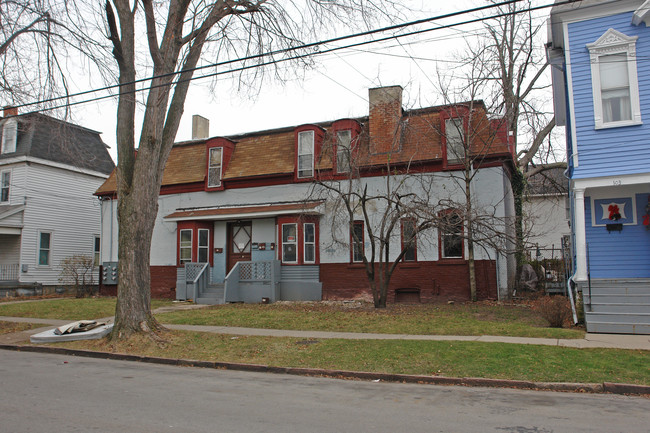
(246, 212)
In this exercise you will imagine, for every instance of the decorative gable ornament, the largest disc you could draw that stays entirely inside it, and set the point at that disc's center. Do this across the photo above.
(612, 41)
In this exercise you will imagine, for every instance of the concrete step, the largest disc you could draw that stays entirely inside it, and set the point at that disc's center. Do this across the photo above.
(641, 318)
(618, 328)
(209, 301)
(617, 308)
(615, 298)
(631, 287)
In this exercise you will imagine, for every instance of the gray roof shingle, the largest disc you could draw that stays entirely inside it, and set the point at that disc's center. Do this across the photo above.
(45, 137)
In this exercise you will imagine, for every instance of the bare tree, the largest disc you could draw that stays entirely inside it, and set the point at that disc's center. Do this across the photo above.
(374, 211)
(37, 39)
(176, 34)
(512, 64)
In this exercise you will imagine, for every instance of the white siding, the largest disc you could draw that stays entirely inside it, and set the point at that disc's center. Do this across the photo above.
(546, 220)
(60, 202)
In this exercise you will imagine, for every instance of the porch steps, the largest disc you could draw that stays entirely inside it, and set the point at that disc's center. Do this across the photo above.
(617, 306)
(212, 295)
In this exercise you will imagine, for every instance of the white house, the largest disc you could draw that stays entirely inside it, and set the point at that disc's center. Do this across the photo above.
(49, 170)
(251, 213)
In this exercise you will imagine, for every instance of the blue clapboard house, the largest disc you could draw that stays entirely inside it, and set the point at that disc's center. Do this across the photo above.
(600, 56)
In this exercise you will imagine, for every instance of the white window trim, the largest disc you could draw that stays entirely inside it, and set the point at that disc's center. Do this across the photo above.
(305, 243)
(614, 42)
(313, 145)
(199, 247)
(295, 242)
(180, 247)
(218, 184)
(9, 130)
(2, 173)
(49, 250)
(347, 151)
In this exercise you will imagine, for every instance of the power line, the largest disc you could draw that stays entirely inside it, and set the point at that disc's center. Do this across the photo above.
(297, 56)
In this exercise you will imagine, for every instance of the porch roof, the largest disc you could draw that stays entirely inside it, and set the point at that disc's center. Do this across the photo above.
(238, 212)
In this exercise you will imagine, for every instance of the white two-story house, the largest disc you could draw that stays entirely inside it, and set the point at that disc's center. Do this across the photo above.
(49, 170)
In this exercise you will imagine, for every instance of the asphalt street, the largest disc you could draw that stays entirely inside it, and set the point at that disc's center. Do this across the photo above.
(56, 393)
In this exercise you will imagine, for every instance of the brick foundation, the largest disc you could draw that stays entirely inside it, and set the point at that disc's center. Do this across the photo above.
(436, 281)
(163, 283)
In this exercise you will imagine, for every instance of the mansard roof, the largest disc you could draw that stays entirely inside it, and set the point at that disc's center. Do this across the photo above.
(47, 138)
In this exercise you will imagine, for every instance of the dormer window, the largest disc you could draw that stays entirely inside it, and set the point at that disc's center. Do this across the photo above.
(9, 136)
(306, 154)
(343, 150)
(455, 139)
(215, 161)
(614, 79)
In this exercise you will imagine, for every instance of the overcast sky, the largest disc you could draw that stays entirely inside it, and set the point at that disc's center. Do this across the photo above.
(336, 87)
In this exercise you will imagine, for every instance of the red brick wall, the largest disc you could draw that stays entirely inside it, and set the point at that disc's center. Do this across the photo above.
(437, 281)
(163, 283)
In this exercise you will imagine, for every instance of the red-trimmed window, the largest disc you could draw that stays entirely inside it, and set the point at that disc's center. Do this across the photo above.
(298, 237)
(306, 153)
(357, 242)
(219, 150)
(195, 242)
(345, 133)
(309, 242)
(451, 235)
(215, 162)
(454, 136)
(309, 141)
(290, 243)
(409, 240)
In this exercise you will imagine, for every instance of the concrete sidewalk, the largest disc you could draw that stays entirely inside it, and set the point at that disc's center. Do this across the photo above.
(613, 341)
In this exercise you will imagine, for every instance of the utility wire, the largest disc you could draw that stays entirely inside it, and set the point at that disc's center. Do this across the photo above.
(314, 45)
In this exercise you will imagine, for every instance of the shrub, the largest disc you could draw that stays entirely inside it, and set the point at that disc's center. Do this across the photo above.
(78, 271)
(555, 309)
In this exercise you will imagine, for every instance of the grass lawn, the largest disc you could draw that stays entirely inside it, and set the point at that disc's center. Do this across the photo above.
(424, 319)
(68, 308)
(10, 327)
(452, 359)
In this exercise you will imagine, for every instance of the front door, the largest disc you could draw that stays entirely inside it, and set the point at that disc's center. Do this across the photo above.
(239, 243)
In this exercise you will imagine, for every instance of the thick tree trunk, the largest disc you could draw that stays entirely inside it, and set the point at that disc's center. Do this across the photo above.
(137, 215)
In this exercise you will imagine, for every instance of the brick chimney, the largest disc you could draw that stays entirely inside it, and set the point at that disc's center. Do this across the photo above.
(200, 127)
(385, 118)
(10, 111)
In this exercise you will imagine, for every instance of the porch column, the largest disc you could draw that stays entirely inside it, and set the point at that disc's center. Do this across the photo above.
(580, 234)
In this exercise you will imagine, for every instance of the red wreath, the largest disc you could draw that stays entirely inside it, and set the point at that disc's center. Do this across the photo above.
(614, 213)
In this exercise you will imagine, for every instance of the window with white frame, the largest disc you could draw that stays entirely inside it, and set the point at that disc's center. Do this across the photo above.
(9, 136)
(44, 248)
(203, 245)
(289, 243)
(343, 150)
(185, 246)
(306, 154)
(5, 184)
(455, 137)
(309, 242)
(214, 167)
(615, 84)
(96, 250)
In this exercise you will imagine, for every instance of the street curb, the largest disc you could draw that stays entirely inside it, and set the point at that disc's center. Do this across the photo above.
(594, 388)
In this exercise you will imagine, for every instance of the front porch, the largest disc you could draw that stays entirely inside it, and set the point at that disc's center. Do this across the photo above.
(249, 282)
